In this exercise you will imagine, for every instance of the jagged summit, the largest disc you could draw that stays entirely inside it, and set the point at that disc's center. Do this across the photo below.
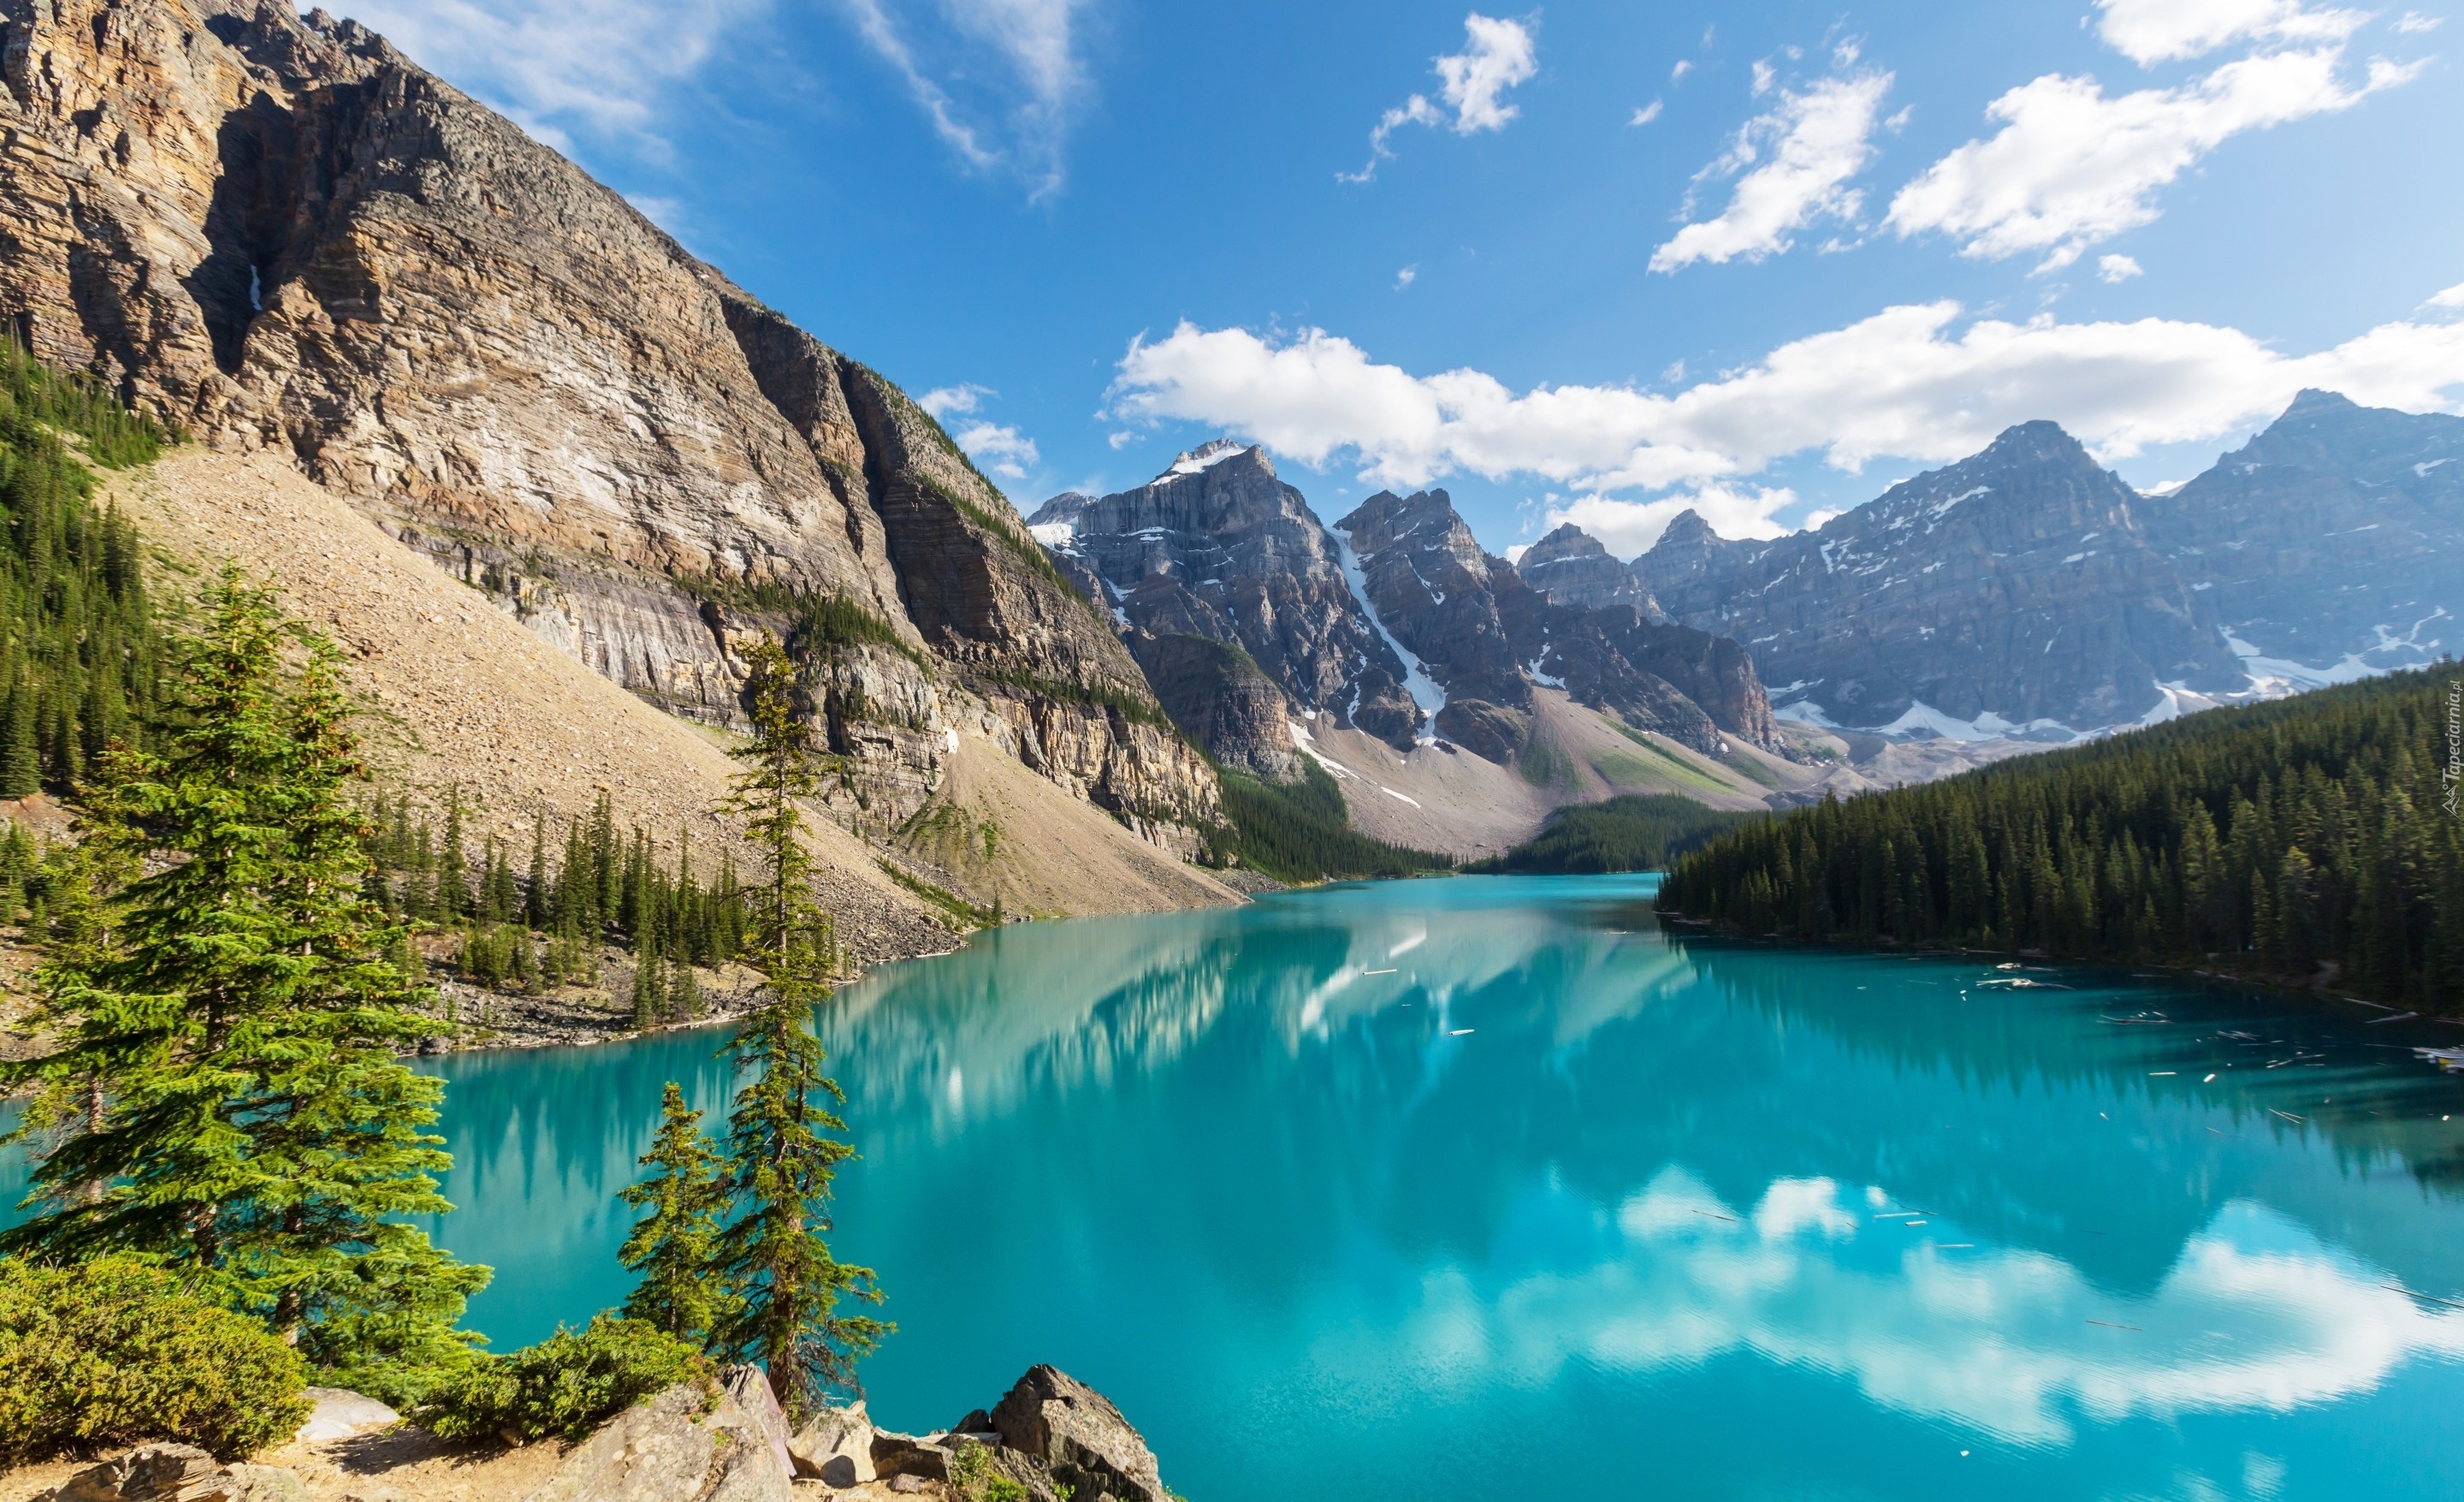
(1571, 567)
(1207, 455)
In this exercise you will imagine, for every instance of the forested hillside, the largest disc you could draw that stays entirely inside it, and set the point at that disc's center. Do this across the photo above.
(2310, 838)
(79, 660)
(1638, 831)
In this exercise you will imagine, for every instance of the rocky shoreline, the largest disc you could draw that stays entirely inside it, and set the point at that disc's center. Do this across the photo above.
(1050, 1438)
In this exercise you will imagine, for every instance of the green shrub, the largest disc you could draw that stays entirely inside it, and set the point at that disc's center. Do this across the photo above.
(973, 1478)
(566, 1385)
(114, 1353)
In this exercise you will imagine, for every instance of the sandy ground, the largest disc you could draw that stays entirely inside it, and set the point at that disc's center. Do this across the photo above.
(1439, 799)
(407, 1465)
(459, 692)
(1050, 850)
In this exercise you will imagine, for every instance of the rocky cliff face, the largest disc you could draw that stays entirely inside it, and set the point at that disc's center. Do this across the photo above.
(1218, 547)
(2330, 545)
(1571, 567)
(283, 233)
(1485, 635)
(2018, 591)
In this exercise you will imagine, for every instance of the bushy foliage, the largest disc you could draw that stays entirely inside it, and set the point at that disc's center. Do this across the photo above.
(566, 1385)
(1638, 831)
(2267, 840)
(1301, 832)
(114, 1353)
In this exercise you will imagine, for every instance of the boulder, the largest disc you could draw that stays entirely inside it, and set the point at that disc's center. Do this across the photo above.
(652, 1452)
(1077, 1433)
(835, 1448)
(753, 1465)
(341, 1413)
(178, 1473)
(896, 1454)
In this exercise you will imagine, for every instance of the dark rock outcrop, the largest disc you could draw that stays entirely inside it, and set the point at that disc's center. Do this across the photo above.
(2017, 588)
(2335, 538)
(1486, 635)
(1075, 1433)
(1219, 547)
(282, 233)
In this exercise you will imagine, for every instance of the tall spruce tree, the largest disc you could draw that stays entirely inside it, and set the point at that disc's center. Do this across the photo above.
(256, 1130)
(780, 1148)
(673, 1248)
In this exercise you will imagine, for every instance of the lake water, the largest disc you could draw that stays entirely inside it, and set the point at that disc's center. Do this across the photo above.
(1485, 1187)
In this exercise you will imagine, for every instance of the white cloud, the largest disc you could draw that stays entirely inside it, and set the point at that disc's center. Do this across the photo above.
(2071, 166)
(2149, 32)
(2452, 298)
(1472, 82)
(2412, 23)
(944, 400)
(606, 68)
(1628, 527)
(1916, 382)
(1684, 66)
(1406, 276)
(1796, 160)
(1000, 80)
(1001, 449)
(1123, 438)
(2117, 268)
(1645, 115)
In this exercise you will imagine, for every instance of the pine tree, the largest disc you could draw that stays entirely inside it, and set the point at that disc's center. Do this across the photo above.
(21, 760)
(454, 867)
(675, 1247)
(649, 995)
(781, 1153)
(683, 993)
(260, 1133)
(537, 911)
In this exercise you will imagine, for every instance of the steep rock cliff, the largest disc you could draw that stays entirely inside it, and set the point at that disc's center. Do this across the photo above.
(1571, 567)
(2015, 591)
(2331, 543)
(1219, 547)
(282, 233)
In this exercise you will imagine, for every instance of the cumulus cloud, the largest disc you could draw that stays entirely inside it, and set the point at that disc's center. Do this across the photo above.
(1001, 449)
(2071, 167)
(2149, 32)
(2117, 268)
(2452, 298)
(1796, 160)
(1921, 382)
(1628, 527)
(1498, 55)
(944, 401)
(611, 69)
(1001, 81)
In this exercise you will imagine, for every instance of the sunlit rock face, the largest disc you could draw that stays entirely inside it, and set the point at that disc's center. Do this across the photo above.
(1571, 567)
(282, 233)
(1219, 547)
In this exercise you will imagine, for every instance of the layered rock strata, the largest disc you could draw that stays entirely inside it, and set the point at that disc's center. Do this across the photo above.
(282, 233)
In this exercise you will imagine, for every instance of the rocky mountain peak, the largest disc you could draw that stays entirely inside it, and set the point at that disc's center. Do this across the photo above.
(1214, 451)
(1571, 567)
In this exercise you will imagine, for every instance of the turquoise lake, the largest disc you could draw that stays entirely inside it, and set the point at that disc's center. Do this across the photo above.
(1483, 1187)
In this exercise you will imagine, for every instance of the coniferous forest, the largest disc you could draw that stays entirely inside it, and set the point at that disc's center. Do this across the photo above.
(81, 664)
(2310, 838)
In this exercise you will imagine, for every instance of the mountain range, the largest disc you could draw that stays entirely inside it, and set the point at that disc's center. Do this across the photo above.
(317, 258)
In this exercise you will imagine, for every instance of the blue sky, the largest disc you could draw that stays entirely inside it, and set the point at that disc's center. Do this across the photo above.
(1610, 260)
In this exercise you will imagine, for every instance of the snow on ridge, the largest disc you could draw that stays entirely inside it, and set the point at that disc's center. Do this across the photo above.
(1417, 682)
(1057, 535)
(1205, 456)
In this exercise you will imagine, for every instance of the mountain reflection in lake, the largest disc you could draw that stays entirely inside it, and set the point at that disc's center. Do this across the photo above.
(1478, 1186)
